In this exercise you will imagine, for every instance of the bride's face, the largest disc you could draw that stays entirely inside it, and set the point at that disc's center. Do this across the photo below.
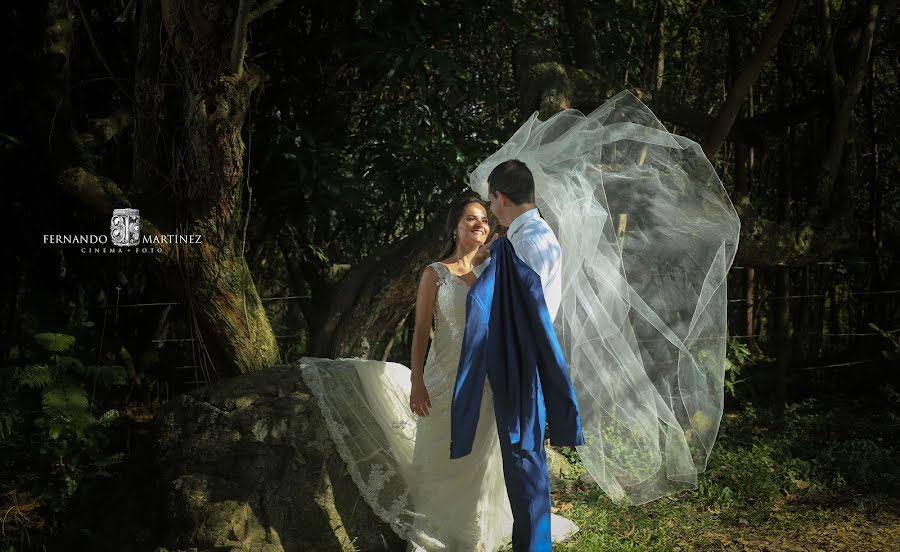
(473, 225)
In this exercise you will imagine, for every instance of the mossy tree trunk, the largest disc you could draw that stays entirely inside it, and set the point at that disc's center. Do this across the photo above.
(191, 95)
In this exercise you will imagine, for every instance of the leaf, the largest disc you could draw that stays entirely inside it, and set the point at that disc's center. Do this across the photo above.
(109, 416)
(54, 342)
(36, 376)
(65, 399)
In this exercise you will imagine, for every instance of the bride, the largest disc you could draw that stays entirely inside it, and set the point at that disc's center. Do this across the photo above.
(648, 234)
(459, 505)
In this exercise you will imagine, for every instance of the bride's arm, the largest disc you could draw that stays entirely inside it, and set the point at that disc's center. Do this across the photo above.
(424, 314)
(483, 256)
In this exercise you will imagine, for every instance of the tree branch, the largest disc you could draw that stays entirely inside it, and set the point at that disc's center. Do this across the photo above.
(105, 129)
(264, 9)
(724, 121)
(239, 44)
(102, 195)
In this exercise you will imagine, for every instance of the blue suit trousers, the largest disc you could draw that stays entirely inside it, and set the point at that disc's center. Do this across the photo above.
(528, 486)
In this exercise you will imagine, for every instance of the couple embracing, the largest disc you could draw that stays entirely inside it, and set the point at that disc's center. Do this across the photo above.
(600, 317)
(482, 388)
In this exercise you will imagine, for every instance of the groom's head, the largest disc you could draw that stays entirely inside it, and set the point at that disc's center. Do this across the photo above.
(510, 190)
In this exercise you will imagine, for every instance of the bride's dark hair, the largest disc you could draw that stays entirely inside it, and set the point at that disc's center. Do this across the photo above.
(456, 211)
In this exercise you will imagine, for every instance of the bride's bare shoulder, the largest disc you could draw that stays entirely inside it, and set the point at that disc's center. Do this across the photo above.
(430, 271)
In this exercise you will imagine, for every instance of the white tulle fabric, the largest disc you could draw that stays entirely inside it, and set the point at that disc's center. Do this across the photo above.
(647, 234)
(401, 462)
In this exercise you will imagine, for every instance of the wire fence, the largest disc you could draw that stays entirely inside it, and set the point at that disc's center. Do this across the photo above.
(406, 331)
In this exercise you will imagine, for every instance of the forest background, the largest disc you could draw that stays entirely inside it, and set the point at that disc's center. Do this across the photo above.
(316, 145)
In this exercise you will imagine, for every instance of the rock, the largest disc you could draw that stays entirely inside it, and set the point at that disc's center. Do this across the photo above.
(558, 466)
(587, 479)
(248, 466)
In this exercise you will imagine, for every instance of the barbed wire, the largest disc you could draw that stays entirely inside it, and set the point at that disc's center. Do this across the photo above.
(660, 338)
(289, 297)
(166, 303)
(885, 292)
(825, 263)
(836, 364)
(866, 361)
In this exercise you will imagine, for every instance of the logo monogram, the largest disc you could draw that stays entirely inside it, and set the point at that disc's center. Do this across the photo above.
(125, 227)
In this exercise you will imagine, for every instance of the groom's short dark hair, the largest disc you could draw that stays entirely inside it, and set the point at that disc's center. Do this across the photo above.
(514, 179)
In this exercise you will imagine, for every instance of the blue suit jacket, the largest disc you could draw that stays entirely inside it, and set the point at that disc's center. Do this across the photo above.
(509, 337)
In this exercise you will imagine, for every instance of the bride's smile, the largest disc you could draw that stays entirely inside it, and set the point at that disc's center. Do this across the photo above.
(473, 226)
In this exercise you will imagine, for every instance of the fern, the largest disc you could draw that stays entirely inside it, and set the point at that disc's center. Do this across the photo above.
(36, 376)
(64, 435)
(65, 398)
(8, 423)
(54, 342)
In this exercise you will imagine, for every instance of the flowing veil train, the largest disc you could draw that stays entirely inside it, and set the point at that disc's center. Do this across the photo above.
(648, 235)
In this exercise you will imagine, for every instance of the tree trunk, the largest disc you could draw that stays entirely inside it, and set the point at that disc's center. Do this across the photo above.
(848, 95)
(199, 133)
(659, 46)
(741, 173)
(349, 315)
(782, 338)
(579, 22)
(749, 313)
(214, 91)
(722, 125)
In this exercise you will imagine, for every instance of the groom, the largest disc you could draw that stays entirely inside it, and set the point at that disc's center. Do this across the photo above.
(509, 338)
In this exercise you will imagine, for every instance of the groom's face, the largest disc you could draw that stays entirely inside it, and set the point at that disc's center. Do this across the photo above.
(495, 203)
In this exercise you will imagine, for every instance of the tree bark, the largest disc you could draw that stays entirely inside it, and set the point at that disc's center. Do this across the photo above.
(659, 46)
(216, 279)
(200, 172)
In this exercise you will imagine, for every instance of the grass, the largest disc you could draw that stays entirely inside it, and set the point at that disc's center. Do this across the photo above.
(827, 479)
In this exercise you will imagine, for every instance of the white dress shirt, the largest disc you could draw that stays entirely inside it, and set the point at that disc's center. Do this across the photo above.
(537, 246)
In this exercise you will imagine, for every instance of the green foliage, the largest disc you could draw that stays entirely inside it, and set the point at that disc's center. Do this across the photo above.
(54, 342)
(65, 437)
(765, 481)
(754, 466)
(34, 376)
(737, 358)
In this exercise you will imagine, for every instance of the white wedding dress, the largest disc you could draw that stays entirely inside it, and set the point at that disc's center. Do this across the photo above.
(401, 462)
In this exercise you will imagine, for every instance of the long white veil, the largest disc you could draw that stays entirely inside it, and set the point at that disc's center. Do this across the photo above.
(648, 234)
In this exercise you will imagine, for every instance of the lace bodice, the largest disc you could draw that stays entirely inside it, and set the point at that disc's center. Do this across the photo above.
(450, 324)
(450, 306)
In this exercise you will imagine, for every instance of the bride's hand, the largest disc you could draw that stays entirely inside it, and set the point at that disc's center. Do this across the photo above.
(484, 251)
(419, 401)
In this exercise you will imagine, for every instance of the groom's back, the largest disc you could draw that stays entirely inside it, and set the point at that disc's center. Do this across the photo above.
(536, 244)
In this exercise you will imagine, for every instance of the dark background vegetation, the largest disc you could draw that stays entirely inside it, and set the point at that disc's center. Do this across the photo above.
(315, 146)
